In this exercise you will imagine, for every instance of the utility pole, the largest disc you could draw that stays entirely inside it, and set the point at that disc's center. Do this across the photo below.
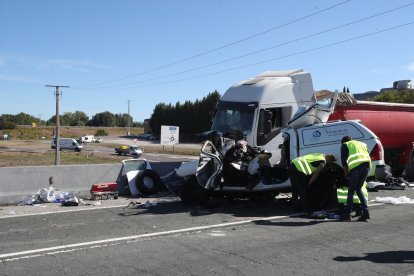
(57, 94)
(129, 123)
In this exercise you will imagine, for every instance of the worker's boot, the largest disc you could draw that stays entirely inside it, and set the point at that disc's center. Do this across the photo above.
(365, 215)
(345, 217)
(358, 211)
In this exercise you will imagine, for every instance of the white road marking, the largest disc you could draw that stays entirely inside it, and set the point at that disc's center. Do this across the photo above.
(14, 256)
(63, 211)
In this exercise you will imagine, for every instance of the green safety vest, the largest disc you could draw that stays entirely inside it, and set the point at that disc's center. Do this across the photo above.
(357, 154)
(303, 163)
(342, 194)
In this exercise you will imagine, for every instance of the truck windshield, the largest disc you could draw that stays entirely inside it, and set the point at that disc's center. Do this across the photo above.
(234, 117)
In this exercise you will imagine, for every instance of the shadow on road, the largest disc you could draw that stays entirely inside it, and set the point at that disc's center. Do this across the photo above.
(386, 257)
(236, 208)
(289, 223)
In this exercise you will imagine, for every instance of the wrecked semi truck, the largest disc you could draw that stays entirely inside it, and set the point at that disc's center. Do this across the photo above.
(254, 114)
(394, 125)
(233, 168)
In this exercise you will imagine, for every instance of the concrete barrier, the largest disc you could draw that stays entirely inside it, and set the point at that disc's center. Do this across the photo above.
(18, 182)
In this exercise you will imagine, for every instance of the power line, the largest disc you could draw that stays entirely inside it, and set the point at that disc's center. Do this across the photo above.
(278, 58)
(221, 47)
(264, 49)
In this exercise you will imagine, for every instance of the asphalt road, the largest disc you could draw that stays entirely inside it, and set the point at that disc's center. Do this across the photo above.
(153, 157)
(226, 238)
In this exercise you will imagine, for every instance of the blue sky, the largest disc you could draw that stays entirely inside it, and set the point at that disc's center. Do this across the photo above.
(154, 51)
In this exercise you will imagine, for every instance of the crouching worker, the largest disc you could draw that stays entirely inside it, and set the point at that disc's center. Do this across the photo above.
(303, 171)
(357, 163)
(342, 195)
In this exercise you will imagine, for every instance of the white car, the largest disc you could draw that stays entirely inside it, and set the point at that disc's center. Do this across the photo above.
(98, 140)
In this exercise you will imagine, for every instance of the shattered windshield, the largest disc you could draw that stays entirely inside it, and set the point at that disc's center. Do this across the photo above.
(234, 117)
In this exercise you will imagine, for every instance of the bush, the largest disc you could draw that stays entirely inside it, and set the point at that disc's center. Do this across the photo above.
(7, 125)
(101, 132)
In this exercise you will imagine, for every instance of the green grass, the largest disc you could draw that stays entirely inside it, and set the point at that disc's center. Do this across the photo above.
(36, 133)
(14, 159)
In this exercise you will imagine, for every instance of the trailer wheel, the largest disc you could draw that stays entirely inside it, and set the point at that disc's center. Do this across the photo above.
(192, 193)
(148, 182)
(409, 169)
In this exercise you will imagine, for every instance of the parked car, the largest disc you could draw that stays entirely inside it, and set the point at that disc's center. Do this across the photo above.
(153, 137)
(98, 140)
(88, 139)
(143, 136)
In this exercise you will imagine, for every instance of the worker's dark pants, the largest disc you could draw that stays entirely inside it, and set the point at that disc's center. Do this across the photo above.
(357, 177)
(300, 189)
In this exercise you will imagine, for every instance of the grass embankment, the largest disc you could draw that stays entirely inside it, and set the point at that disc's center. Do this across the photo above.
(38, 132)
(15, 159)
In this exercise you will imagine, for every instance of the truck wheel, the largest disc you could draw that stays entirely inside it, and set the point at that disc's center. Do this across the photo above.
(148, 182)
(409, 169)
(192, 193)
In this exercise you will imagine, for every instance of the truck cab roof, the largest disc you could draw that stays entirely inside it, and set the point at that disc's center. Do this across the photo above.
(273, 87)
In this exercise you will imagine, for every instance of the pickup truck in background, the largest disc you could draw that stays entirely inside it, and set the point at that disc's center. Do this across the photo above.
(134, 151)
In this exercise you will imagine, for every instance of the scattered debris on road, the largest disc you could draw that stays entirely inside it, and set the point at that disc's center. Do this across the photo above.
(394, 200)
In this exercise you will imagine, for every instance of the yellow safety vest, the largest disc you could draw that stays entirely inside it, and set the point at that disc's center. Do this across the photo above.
(303, 163)
(342, 194)
(357, 154)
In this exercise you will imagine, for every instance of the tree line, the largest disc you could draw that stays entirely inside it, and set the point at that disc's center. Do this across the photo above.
(192, 117)
(396, 96)
(77, 118)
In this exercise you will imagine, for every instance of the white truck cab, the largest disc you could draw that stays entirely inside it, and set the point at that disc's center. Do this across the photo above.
(259, 108)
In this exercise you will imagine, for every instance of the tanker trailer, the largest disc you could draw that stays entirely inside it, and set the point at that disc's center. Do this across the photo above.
(393, 123)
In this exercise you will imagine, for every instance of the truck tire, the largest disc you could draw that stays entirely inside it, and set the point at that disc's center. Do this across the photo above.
(409, 169)
(148, 182)
(192, 193)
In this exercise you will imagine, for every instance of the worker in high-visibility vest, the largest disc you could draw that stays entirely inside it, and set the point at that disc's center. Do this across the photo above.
(342, 195)
(357, 163)
(303, 171)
